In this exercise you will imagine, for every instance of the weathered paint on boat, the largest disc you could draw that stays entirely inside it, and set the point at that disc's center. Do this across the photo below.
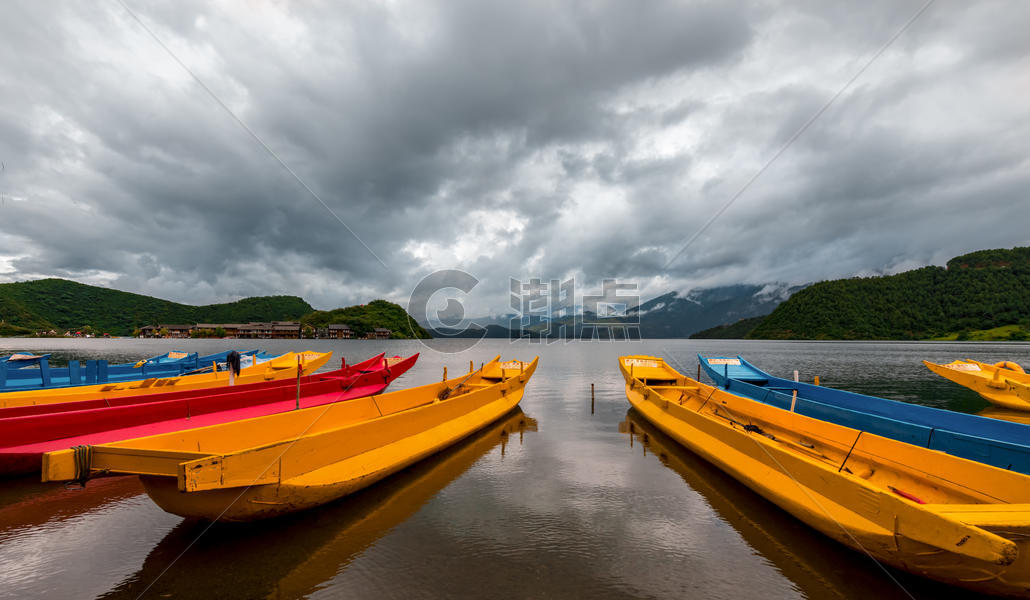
(1005, 385)
(274, 465)
(281, 367)
(1002, 444)
(922, 511)
(24, 440)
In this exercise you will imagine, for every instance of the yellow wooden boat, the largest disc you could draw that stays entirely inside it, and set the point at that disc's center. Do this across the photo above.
(926, 512)
(1003, 384)
(281, 367)
(278, 464)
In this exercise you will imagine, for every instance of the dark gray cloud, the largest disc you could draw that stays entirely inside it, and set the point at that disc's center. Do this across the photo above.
(506, 139)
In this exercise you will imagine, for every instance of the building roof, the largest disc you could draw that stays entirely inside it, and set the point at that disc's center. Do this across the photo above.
(339, 326)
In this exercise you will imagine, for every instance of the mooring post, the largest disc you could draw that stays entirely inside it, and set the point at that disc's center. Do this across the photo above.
(591, 398)
(298, 383)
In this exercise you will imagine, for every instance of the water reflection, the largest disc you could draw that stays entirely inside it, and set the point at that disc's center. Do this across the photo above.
(26, 503)
(818, 566)
(1006, 414)
(297, 555)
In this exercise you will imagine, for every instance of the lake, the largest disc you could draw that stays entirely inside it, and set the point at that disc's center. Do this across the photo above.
(564, 499)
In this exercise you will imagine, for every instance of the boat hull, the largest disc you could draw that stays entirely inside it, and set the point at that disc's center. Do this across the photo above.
(278, 464)
(324, 485)
(836, 505)
(26, 439)
(1005, 445)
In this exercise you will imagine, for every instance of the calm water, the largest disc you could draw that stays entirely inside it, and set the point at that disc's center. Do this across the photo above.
(554, 501)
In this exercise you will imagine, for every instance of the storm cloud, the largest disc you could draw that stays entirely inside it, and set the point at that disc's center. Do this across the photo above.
(526, 139)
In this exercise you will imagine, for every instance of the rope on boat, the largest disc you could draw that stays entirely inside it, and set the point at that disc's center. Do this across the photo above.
(852, 449)
(83, 463)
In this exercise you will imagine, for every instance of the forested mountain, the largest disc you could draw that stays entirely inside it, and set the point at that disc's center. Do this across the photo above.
(61, 305)
(366, 317)
(976, 291)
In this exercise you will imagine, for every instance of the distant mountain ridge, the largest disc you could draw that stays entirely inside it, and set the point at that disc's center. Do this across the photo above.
(673, 315)
(670, 315)
(62, 305)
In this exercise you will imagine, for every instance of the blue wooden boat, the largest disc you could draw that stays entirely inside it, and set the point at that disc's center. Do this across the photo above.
(991, 441)
(26, 372)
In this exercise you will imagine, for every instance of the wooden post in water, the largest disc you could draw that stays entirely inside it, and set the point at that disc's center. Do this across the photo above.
(298, 382)
(699, 372)
(817, 380)
(444, 374)
(591, 398)
(470, 366)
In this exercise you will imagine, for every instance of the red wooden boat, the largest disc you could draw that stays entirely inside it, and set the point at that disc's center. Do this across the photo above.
(26, 436)
(371, 364)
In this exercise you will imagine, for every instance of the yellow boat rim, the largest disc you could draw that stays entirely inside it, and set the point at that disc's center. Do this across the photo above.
(929, 513)
(278, 464)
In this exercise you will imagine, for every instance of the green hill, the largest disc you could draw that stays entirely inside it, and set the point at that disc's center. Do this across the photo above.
(63, 305)
(366, 317)
(978, 291)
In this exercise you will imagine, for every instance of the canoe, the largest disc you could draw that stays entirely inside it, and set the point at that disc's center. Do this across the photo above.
(24, 439)
(998, 443)
(279, 464)
(1004, 384)
(938, 516)
(15, 373)
(281, 367)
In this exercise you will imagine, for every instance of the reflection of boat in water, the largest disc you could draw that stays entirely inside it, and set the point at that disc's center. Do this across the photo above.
(26, 503)
(292, 556)
(1006, 414)
(818, 566)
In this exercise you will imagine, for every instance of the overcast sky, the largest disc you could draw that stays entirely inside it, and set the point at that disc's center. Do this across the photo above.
(508, 139)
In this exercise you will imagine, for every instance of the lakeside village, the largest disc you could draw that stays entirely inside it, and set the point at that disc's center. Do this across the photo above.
(274, 330)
